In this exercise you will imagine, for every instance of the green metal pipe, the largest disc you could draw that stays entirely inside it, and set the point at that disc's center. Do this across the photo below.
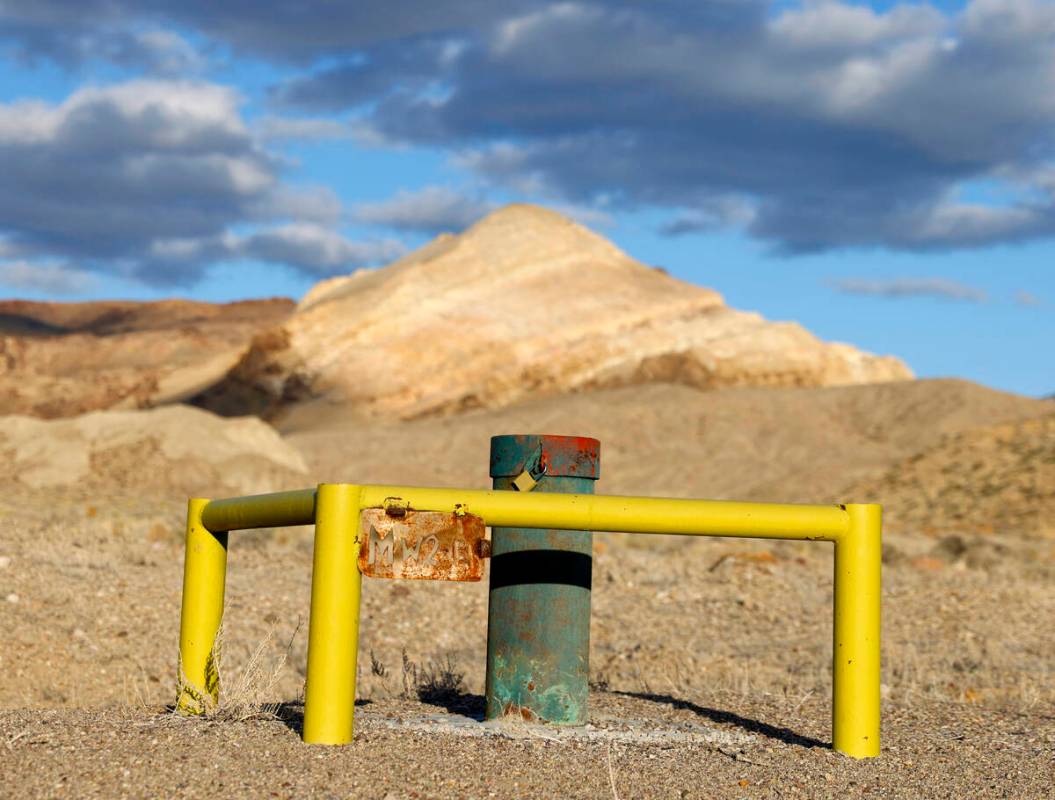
(538, 619)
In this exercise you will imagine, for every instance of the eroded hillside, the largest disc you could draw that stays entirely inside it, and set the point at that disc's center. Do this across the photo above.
(526, 303)
(62, 359)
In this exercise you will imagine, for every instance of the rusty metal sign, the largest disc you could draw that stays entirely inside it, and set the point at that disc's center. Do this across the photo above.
(422, 545)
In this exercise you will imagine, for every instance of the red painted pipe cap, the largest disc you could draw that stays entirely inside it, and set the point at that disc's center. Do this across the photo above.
(561, 456)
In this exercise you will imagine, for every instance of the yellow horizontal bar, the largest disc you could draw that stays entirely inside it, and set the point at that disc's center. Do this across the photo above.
(570, 511)
(625, 514)
(260, 511)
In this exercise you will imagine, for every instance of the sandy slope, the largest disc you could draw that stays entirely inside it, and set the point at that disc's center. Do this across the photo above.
(987, 479)
(794, 445)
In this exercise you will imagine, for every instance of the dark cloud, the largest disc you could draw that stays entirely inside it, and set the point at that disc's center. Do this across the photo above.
(147, 179)
(404, 67)
(70, 34)
(831, 125)
(72, 31)
(68, 31)
(901, 288)
(816, 126)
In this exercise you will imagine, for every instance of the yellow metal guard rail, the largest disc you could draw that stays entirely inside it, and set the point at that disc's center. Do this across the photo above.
(334, 622)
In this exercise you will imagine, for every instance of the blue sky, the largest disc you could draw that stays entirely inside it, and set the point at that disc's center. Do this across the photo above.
(883, 173)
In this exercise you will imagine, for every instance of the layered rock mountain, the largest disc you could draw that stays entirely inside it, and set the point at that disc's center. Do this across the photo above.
(62, 359)
(526, 302)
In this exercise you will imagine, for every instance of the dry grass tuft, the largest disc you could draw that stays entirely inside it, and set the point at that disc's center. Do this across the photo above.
(439, 682)
(246, 693)
(435, 682)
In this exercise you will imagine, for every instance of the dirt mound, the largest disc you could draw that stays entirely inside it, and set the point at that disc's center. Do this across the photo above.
(178, 450)
(525, 303)
(995, 478)
(62, 359)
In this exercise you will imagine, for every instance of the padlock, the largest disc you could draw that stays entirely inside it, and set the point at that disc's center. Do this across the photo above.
(524, 482)
(534, 469)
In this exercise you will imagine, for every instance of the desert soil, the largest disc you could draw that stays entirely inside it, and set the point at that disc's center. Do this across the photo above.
(710, 658)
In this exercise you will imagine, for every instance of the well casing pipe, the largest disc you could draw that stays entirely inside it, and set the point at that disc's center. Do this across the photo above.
(538, 622)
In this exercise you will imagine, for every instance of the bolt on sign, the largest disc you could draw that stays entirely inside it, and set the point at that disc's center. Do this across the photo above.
(421, 545)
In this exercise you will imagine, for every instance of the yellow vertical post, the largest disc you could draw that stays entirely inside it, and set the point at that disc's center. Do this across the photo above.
(333, 629)
(204, 575)
(855, 660)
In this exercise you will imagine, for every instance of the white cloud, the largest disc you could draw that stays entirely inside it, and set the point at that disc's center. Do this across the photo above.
(147, 179)
(318, 204)
(282, 129)
(513, 32)
(900, 288)
(165, 113)
(312, 248)
(1010, 21)
(962, 222)
(431, 209)
(585, 215)
(826, 23)
(50, 278)
(712, 214)
(26, 122)
(164, 52)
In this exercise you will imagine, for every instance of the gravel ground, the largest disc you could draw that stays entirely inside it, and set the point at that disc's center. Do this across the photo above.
(711, 659)
(714, 746)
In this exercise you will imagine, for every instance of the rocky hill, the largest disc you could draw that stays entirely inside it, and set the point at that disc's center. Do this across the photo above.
(61, 359)
(524, 303)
